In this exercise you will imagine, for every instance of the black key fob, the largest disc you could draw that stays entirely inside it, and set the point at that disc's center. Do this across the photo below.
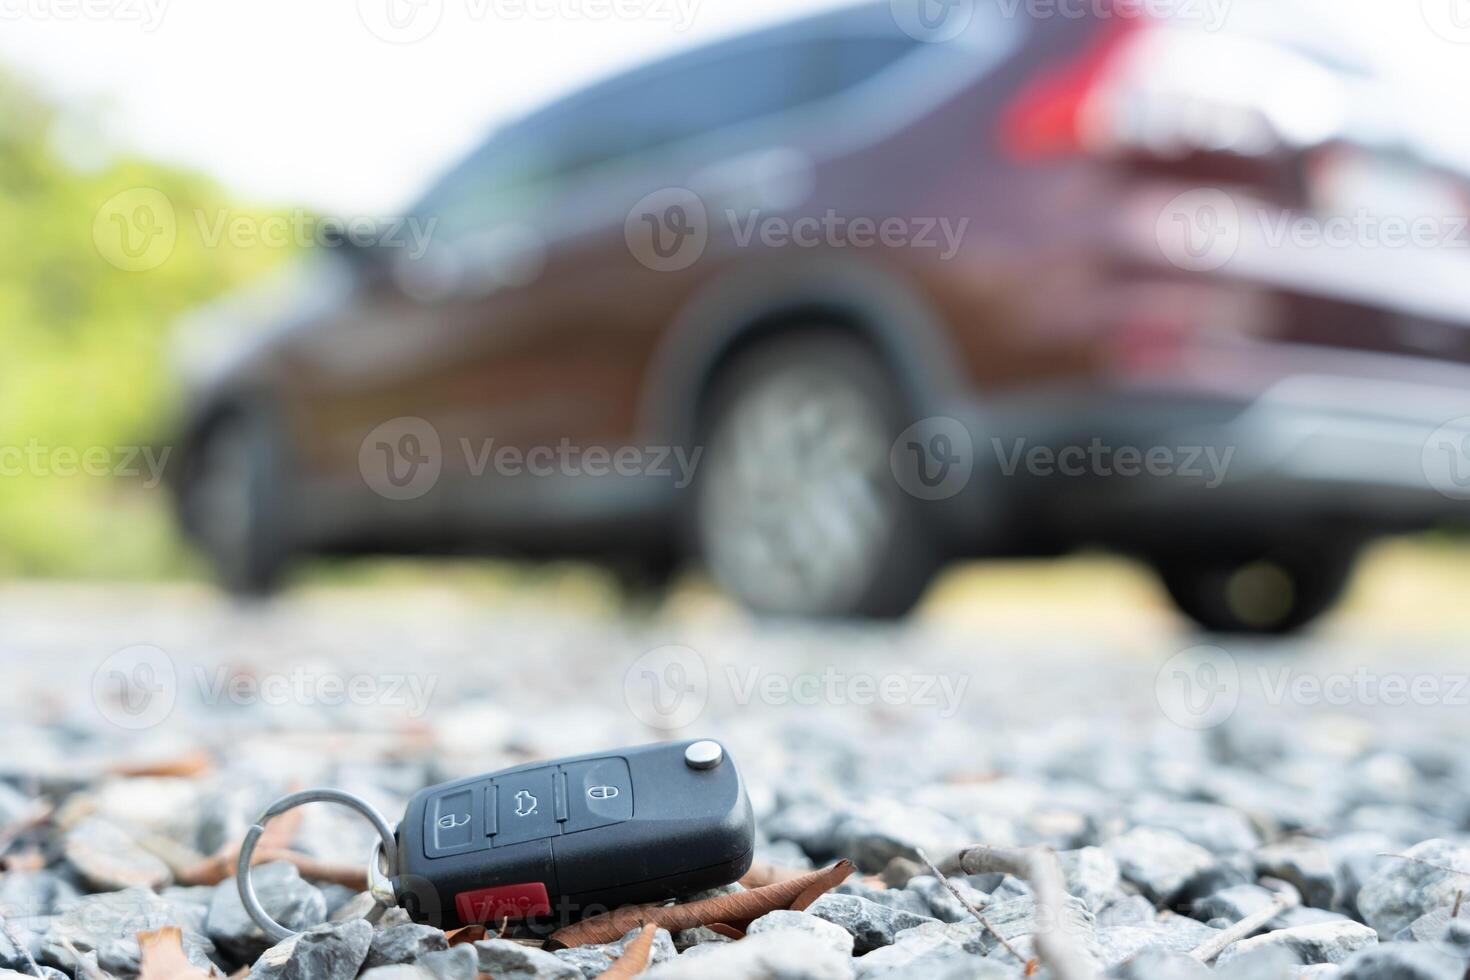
(571, 837)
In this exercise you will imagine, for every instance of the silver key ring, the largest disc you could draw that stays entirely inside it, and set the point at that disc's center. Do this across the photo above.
(385, 853)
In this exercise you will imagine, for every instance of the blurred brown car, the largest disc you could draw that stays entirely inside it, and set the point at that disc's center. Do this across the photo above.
(829, 304)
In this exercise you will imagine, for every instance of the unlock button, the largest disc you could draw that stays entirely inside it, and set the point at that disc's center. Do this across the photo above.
(451, 820)
(598, 793)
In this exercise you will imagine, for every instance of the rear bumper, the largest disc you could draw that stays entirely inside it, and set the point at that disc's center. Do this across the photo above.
(1339, 454)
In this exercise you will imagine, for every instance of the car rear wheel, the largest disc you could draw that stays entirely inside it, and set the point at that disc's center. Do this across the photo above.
(1270, 591)
(796, 510)
(235, 502)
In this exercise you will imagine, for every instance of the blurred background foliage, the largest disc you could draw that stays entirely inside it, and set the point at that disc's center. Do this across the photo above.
(86, 356)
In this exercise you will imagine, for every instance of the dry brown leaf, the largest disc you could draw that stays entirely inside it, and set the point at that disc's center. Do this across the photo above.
(738, 910)
(763, 873)
(726, 930)
(635, 957)
(190, 765)
(468, 934)
(164, 958)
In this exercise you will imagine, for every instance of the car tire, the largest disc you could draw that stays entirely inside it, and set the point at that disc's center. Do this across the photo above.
(1274, 591)
(235, 503)
(796, 510)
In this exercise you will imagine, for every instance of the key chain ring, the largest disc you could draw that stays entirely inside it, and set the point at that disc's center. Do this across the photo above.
(384, 852)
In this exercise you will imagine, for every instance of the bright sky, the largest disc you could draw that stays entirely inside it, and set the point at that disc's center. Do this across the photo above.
(300, 101)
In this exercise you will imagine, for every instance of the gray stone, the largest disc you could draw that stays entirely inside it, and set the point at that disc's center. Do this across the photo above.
(108, 924)
(594, 960)
(108, 859)
(331, 951)
(1325, 942)
(1130, 910)
(885, 829)
(1158, 964)
(396, 971)
(1091, 874)
(30, 893)
(784, 920)
(698, 936)
(1402, 961)
(1402, 890)
(1218, 829)
(810, 826)
(455, 963)
(404, 943)
(293, 902)
(47, 973)
(895, 898)
(1305, 864)
(506, 960)
(940, 902)
(870, 924)
(1159, 862)
(773, 956)
(1233, 903)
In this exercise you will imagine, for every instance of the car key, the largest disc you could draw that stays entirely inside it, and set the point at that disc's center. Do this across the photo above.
(572, 836)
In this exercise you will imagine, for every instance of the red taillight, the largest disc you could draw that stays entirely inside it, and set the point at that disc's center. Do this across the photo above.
(1047, 118)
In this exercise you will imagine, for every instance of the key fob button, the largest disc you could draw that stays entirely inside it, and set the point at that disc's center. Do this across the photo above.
(450, 823)
(525, 806)
(599, 793)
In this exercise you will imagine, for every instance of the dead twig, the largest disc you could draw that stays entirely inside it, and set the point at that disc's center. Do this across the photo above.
(979, 917)
(738, 909)
(1055, 947)
(1286, 897)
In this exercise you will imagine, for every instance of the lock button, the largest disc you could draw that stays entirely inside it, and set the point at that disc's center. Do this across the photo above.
(450, 822)
(525, 806)
(599, 793)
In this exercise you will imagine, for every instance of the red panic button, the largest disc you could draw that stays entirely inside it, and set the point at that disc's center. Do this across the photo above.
(503, 902)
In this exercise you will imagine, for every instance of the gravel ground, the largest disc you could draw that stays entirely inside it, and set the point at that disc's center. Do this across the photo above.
(1183, 787)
